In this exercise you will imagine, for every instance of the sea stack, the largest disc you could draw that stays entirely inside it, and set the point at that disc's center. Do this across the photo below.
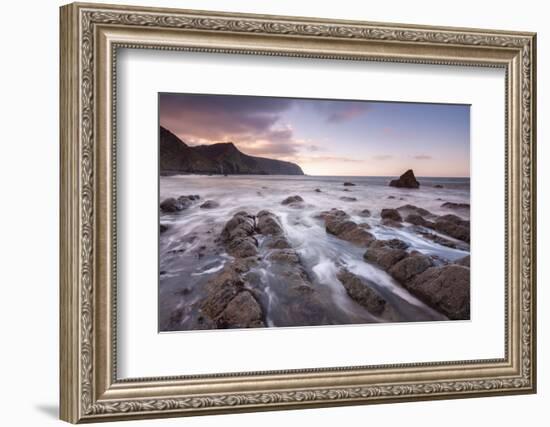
(407, 180)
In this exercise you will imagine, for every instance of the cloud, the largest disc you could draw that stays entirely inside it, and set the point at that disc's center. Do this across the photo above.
(254, 124)
(422, 157)
(383, 157)
(345, 111)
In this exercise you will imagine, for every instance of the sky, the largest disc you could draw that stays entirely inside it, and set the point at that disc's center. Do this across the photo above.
(329, 137)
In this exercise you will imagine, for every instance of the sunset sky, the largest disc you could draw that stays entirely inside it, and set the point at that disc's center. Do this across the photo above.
(329, 137)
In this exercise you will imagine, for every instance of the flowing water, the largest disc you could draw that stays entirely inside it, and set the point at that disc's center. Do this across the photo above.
(190, 255)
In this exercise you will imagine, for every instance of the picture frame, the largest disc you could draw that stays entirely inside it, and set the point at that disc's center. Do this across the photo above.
(91, 36)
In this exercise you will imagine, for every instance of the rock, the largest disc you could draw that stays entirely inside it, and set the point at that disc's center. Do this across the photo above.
(337, 222)
(317, 190)
(440, 240)
(413, 210)
(229, 304)
(453, 226)
(349, 184)
(452, 205)
(221, 289)
(410, 266)
(237, 236)
(465, 261)
(210, 204)
(243, 311)
(171, 205)
(438, 186)
(391, 223)
(447, 289)
(292, 200)
(267, 224)
(386, 253)
(359, 289)
(407, 180)
(278, 243)
(365, 213)
(391, 197)
(284, 255)
(163, 228)
(417, 220)
(392, 214)
(346, 189)
(348, 199)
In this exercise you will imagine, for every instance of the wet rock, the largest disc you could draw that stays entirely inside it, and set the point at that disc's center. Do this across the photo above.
(292, 200)
(438, 186)
(465, 261)
(452, 205)
(410, 266)
(440, 240)
(172, 205)
(386, 253)
(417, 220)
(414, 210)
(447, 289)
(210, 204)
(391, 214)
(360, 290)
(229, 304)
(237, 236)
(268, 224)
(243, 311)
(346, 189)
(365, 213)
(407, 180)
(391, 197)
(348, 199)
(284, 255)
(278, 243)
(391, 223)
(337, 222)
(163, 227)
(349, 184)
(453, 226)
(317, 190)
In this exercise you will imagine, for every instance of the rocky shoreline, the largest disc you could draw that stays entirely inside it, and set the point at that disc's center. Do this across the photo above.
(262, 269)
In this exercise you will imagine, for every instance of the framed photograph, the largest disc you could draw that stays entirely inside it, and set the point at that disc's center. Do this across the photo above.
(266, 212)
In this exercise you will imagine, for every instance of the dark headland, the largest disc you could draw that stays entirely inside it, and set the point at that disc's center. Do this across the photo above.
(221, 158)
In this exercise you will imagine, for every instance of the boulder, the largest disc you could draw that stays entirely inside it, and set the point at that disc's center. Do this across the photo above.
(465, 261)
(391, 223)
(337, 222)
(238, 236)
(453, 226)
(392, 214)
(243, 311)
(417, 220)
(210, 204)
(292, 200)
(413, 210)
(438, 186)
(268, 224)
(365, 213)
(386, 253)
(410, 266)
(453, 205)
(171, 205)
(446, 288)
(349, 184)
(317, 190)
(407, 180)
(360, 290)
(348, 199)
(163, 228)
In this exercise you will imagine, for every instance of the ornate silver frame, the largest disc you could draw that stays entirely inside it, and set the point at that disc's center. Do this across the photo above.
(90, 36)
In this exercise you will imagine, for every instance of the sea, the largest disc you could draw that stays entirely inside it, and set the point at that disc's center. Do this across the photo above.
(190, 252)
